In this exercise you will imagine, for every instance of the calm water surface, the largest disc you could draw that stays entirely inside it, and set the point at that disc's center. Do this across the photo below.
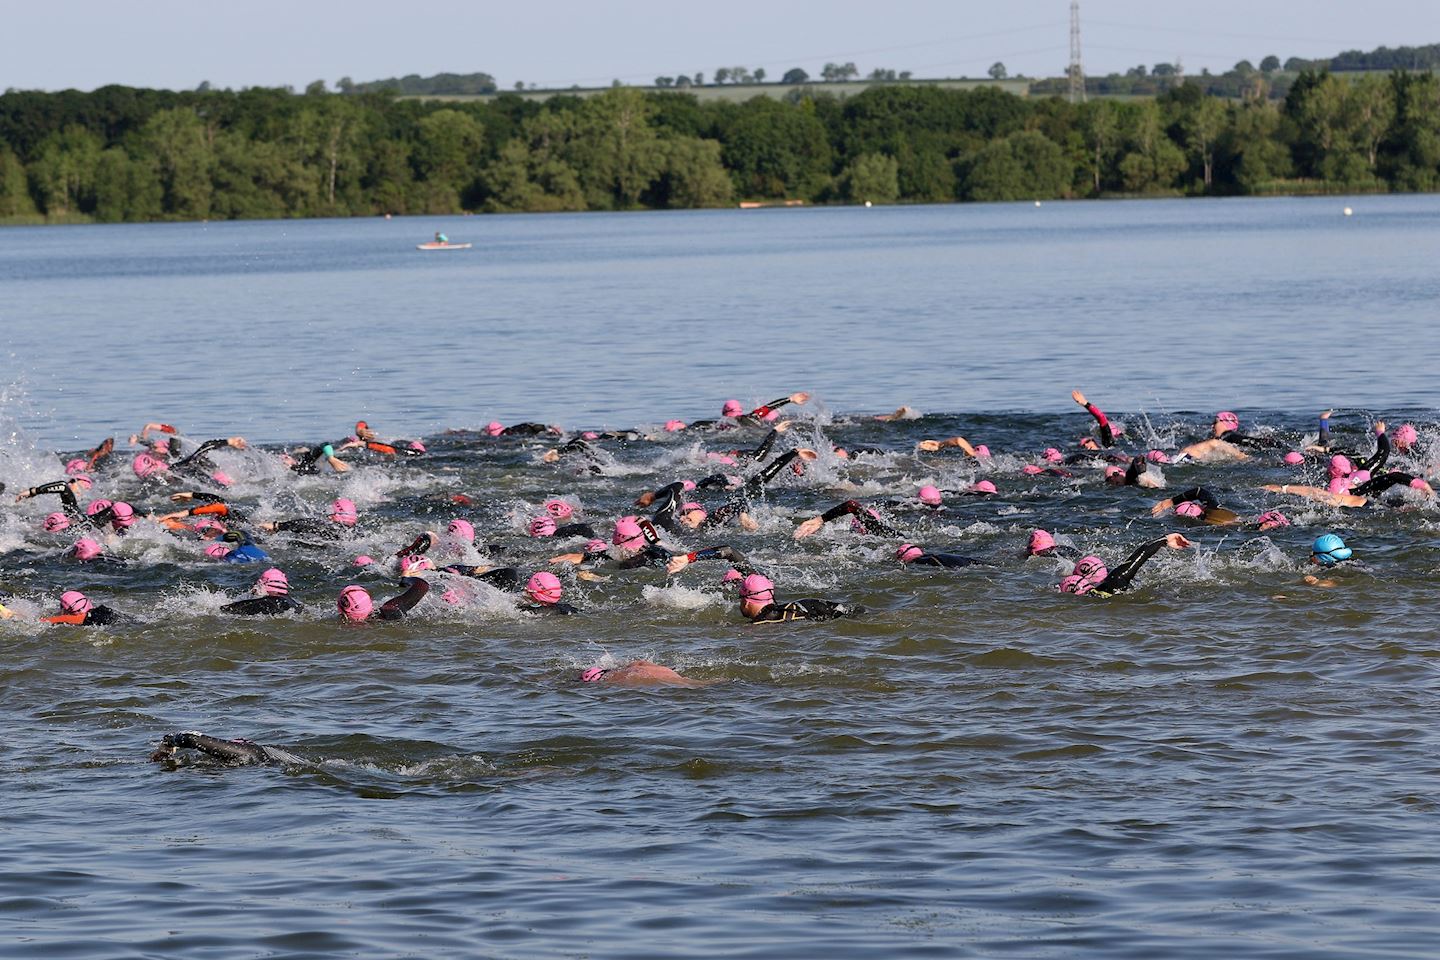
(1221, 763)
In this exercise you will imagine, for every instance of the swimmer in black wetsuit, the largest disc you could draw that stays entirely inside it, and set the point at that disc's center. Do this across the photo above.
(1102, 423)
(544, 590)
(757, 603)
(272, 597)
(307, 461)
(868, 519)
(234, 753)
(912, 555)
(1370, 464)
(752, 489)
(67, 491)
(725, 552)
(356, 606)
(1091, 578)
(77, 610)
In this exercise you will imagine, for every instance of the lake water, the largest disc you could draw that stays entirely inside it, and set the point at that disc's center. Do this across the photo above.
(1223, 761)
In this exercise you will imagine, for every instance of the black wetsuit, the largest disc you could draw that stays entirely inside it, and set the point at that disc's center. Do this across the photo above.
(97, 616)
(396, 607)
(197, 464)
(551, 609)
(503, 578)
(928, 559)
(1371, 463)
(868, 522)
(68, 504)
(1254, 443)
(307, 463)
(233, 752)
(1107, 433)
(809, 608)
(752, 489)
(1119, 578)
(262, 607)
(1378, 485)
(736, 559)
(312, 527)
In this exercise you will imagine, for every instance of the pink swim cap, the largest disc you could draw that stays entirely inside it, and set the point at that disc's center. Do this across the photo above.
(559, 509)
(542, 527)
(687, 485)
(1031, 470)
(1189, 508)
(1338, 485)
(627, 533)
(674, 426)
(1158, 456)
(461, 530)
(217, 550)
(757, 588)
(221, 477)
(205, 525)
(1294, 458)
(543, 587)
(1089, 573)
(1075, 585)
(146, 466)
(55, 522)
(1340, 466)
(595, 546)
(1054, 456)
(123, 515)
(693, 507)
(720, 458)
(95, 506)
(452, 596)
(342, 511)
(1419, 483)
(1225, 416)
(364, 560)
(908, 552)
(982, 452)
(930, 495)
(1271, 519)
(86, 549)
(1040, 540)
(354, 603)
(732, 408)
(772, 416)
(411, 564)
(76, 467)
(589, 435)
(1405, 436)
(73, 601)
(273, 583)
(1114, 474)
(984, 486)
(494, 428)
(417, 446)
(1358, 477)
(592, 675)
(731, 576)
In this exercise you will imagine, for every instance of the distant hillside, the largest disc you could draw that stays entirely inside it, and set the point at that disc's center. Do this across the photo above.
(442, 84)
(1384, 58)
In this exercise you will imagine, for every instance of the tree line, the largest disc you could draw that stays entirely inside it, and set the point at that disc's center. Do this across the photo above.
(122, 154)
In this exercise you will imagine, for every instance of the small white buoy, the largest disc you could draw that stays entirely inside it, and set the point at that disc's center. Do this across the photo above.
(867, 203)
(1037, 203)
(1348, 211)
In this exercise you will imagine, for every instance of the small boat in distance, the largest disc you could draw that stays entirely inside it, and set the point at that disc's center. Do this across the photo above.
(442, 246)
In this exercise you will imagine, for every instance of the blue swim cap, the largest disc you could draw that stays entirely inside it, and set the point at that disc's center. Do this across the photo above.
(1328, 550)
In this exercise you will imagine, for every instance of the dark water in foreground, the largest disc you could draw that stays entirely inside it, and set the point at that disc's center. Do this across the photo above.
(1222, 762)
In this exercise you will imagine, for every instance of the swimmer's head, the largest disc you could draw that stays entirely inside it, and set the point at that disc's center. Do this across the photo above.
(1340, 466)
(208, 528)
(1031, 470)
(222, 478)
(74, 602)
(494, 428)
(1040, 541)
(756, 591)
(1338, 485)
(674, 426)
(1089, 573)
(1158, 456)
(733, 578)
(146, 466)
(1189, 508)
(74, 468)
(412, 564)
(1358, 477)
(693, 514)
(982, 452)
(85, 549)
(1294, 458)
(55, 523)
(627, 534)
(1405, 437)
(1115, 476)
(95, 506)
(1226, 421)
(543, 587)
(1053, 456)
(930, 495)
(417, 446)
(542, 527)
(461, 530)
(859, 527)
(122, 515)
(355, 603)
(732, 408)
(984, 487)
(590, 435)
(364, 560)
(593, 675)
(1328, 550)
(343, 512)
(272, 583)
(559, 509)
(83, 482)
(1272, 519)
(908, 553)
(217, 550)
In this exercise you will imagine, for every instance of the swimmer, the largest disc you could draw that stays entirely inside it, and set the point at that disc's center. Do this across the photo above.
(639, 673)
(365, 437)
(306, 460)
(271, 597)
(729, 554)
(1091, 578)
(1042, 544)
(544, 591)
(912, 555)
(77, 610)
(753, 489)
(1328, 551)
(1136, 474)
(68, 491)
(866, 518)
(339, 521)
(355, 604)
(757, 603)
(244, 549)
(235, 753)
(1102, 423)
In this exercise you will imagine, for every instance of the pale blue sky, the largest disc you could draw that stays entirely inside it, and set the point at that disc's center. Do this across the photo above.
(174, 44)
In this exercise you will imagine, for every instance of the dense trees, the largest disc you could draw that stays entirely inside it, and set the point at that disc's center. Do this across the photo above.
(132, 155)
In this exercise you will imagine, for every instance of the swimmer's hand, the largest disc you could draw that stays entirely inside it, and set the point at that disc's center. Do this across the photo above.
(184, 496)
(1379, 427)
(1078, 397)
(1161, 507)
(645, 499)
(808, 527)
(1326, 414)
(590, 577)
(747, 523)
(800, 396)
(550, 456)
(783, 425)
(676, 564)
(806, 453)
(930, 446)
(569, 558)
(1177, 541)
(237, 442)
